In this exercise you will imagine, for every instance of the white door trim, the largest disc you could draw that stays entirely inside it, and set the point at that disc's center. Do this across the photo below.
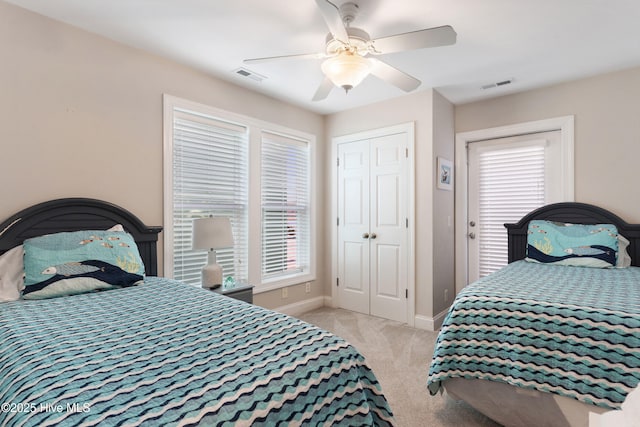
(409, 129)
(564, 124)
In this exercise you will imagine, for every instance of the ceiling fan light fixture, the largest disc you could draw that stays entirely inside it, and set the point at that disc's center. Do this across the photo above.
(347, 69)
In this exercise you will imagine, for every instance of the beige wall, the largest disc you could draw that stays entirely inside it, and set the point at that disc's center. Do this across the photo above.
(607, 132)
(81, 116)
(443, 208)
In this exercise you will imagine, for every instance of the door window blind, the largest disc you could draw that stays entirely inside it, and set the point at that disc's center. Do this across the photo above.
(285, 206)
(210, 158)
(511, 184)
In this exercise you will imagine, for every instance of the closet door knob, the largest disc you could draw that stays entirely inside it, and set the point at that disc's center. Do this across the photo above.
(365, 236)
(373, 235)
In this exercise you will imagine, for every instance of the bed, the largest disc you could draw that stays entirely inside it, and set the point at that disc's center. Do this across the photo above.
(544, 344)
(161, 352)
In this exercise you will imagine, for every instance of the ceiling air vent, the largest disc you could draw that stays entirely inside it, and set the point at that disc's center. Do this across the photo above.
(498, 84)
(249, 74)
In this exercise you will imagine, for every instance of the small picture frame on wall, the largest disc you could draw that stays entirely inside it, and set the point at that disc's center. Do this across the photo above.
(445, 174)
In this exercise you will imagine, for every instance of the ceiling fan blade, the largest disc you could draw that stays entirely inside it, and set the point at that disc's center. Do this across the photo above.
(278, 58)
(431, 37)
(331, 15)
(392, 75)
(323, 90)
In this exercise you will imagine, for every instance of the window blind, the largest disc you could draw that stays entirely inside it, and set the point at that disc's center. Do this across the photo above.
(511, 184)
(285, 206)
(210, 158)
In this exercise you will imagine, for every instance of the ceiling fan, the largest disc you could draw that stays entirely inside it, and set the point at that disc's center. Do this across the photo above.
(349, 53)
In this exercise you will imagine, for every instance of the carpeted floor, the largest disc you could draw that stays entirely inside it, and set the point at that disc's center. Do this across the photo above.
(400, 357)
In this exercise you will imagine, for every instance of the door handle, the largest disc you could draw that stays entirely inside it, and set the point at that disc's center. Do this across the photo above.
(373, 235)
(472, 235)
(365, 236)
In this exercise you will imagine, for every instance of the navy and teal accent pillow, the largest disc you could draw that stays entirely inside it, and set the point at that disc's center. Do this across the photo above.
(572, 244)
(80, 261)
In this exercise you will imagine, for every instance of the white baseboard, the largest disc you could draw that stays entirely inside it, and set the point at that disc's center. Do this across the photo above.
(301, 307)
(430, 323)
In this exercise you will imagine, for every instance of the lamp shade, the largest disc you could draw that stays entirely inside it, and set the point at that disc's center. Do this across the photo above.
(212, 233)
(347, 69)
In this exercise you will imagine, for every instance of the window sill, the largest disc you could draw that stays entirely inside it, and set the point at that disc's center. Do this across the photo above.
(283, 283)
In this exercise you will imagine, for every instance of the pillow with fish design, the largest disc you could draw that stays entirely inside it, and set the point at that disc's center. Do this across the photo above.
(80, 261)
(572, 244)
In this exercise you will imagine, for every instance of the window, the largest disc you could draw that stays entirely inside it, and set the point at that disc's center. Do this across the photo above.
(285, 206)
(209, 178)
(221, 164)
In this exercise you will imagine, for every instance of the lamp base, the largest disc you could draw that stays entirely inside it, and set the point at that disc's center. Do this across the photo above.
(211, 273)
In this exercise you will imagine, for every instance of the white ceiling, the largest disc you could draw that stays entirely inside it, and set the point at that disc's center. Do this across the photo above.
(533, 42)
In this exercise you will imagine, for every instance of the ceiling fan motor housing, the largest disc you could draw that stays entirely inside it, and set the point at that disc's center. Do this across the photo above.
(348, 12)
(359, 41)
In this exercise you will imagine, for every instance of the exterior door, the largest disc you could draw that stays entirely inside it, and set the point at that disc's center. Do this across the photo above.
(508, 178)
(372, 231)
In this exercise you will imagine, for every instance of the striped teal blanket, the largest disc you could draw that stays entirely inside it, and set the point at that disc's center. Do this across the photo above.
(165, 353)
(572, 331)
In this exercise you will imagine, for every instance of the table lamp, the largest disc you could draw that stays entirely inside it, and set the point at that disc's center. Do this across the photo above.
(212, 233)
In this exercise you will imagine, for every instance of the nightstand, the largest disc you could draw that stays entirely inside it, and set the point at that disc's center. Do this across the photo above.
(240, 291)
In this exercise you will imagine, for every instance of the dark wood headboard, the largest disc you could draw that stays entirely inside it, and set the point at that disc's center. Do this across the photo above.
(73, 214)
(576, 213)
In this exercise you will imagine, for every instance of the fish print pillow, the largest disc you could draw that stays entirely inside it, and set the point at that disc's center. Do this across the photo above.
(572, 244)
(80, 261)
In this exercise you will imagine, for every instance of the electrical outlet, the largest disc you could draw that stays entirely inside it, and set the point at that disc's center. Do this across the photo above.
(446, 295)
(285, 292)
(307, 287)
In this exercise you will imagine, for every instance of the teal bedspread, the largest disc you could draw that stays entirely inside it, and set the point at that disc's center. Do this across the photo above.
(165, 353)
(572, 331)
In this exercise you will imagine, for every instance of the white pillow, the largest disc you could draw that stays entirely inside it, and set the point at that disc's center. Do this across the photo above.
(624, 260)
(11, 274)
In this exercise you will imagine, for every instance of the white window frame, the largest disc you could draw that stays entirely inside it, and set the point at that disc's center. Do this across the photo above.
(254, 240)
(285, 185)
(227, 184)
